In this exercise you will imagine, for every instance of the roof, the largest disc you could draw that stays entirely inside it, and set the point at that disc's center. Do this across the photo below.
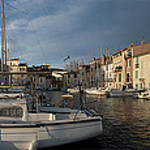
(23, 64)
(94, 60)
(57, 69)
(119, 51)
(14, 59)
(141, 49)
(38, 69)
(72, 72)
(84, 66)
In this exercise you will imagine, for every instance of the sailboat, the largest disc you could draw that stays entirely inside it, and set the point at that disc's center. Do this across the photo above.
(22, 130)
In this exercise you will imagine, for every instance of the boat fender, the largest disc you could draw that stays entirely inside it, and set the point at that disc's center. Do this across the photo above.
(34, 145)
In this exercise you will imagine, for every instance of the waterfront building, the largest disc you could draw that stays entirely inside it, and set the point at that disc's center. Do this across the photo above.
(84, 76)
(14, 66)
(141, 65)
(108, 72)
(119, 68)
(103, 70)
(95, 72)
(58, 78)
(39, 76)
(129, 66)
(71, 79)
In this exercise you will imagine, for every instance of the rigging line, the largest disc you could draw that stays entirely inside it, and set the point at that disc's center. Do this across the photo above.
(58, 48)
(34, 31)
(52, 21)
(15, 47)
(15, 8)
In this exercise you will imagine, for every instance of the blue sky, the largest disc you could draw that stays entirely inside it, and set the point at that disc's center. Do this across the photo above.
(78, 28)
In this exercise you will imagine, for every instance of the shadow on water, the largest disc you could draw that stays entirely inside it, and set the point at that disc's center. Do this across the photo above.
(82, 145)
(126, 123)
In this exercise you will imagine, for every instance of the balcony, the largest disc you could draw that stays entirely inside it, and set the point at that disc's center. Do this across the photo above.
(118, 69)
(128, 55)
(136, 65)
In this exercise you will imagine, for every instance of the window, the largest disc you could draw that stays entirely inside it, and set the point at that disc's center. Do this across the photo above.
(75, 75)
(106, 67)
(119, 77)
(115, 77)
(128, 77)
(91, 69)
(141, 86)
(68, 75)
(129, 63)
(136, 85)
(136, 74)
(83, 73)
(11, 112)
(91, 77)
(129, 53)
(137, 60)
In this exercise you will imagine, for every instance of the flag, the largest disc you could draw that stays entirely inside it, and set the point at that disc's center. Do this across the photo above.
(68, 57)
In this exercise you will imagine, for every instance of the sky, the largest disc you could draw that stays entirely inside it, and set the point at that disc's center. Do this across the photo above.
(50, 30)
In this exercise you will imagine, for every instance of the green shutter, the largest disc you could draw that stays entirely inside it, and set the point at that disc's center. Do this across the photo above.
(119, 77)
(136, 74)
(141, 86)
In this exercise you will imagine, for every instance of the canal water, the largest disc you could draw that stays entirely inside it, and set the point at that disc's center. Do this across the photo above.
(126, 123)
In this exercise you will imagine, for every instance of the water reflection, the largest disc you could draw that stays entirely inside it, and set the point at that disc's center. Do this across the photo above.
(126, 123)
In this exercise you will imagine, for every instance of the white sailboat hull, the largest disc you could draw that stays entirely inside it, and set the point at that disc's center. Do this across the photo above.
(25, 137)
(96, 92)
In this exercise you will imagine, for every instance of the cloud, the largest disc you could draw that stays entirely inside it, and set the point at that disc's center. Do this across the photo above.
(76, 28)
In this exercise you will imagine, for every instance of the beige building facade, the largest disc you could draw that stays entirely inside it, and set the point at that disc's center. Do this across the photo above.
(95, 72)
(84, 76)
(14, 66)
(71, 79)
(119, 69)
(141, 66)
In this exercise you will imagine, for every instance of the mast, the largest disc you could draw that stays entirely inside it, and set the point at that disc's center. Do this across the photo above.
(5, 50)
(9, 50)
(101, 52)
(101, 57)
(2, 35)
(107, 64)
